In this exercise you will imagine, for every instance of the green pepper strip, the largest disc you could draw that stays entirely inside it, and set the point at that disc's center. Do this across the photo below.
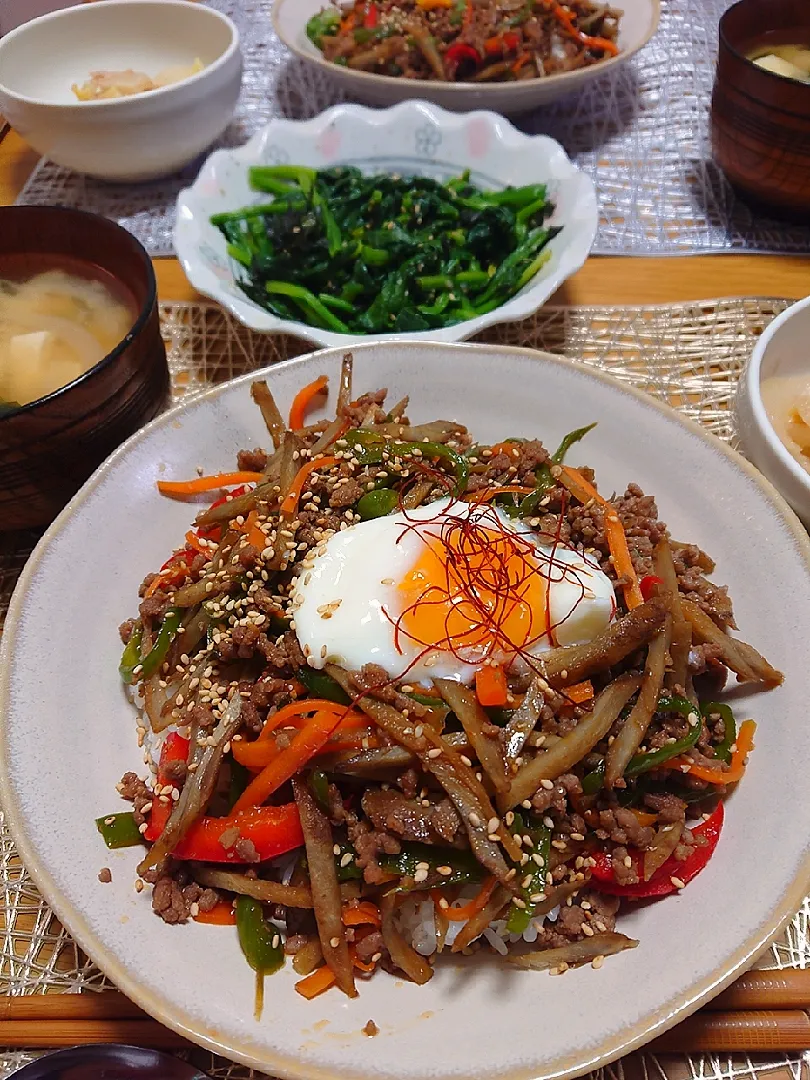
(545, 481)
(319, 786)
(519, 918)
(723, 748)
(131, 656)
(377, 504)
(168, 632)
(321, 685)
(641, 763)
(464, 867)
(260, 942)
(119, 830)
(369, 448)
(240, 778)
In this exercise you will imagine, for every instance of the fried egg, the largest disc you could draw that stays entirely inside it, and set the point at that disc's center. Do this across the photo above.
(438, 591)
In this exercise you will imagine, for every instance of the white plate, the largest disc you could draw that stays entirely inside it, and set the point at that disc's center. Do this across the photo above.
(67, 735)
(290, 18)
(412, 139)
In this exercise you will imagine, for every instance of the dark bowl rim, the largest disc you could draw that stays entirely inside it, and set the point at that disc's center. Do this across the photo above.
(724, 40)
(138, 325)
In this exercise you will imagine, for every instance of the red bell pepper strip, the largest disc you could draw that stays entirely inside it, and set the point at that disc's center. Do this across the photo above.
(461, 51)
(273, 831)
(372, 17)
(175, 748)
(660, 884)
(647, 585)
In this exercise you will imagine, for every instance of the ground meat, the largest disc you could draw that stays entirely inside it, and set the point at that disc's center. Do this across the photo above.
(370, 945)
(198, 564)
(246, 850)
(266, 692)
(408, 818)
(154, 606)
(549, 938)
(372, 679)
(208, 899)
(175, 772)
(668, 807)
(105, 875)
(624, 874)
(312, 520)
(621, 826)
(294, 943)
(369, 843)
(345, 493)
(244, 639)
(261, 599)
(409, 782)
(570, 920)
(639, 516)
(172, 900)
(704, 658)
(714, 599)
(555, 798)
(358, 411)
(251, 460)
(134, 790)
(202, 716)
(126, 629)
(248, 556)
(252, 719)
(370, 1029)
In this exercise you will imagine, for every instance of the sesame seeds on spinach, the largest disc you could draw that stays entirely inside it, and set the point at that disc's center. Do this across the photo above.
(384, 254)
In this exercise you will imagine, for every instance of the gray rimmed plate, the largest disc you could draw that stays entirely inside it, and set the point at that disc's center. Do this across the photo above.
(67, 735)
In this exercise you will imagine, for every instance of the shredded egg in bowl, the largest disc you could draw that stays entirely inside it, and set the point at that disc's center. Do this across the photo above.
(442, 590)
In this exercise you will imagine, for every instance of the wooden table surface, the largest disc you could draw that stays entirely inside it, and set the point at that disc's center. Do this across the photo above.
(604, 279)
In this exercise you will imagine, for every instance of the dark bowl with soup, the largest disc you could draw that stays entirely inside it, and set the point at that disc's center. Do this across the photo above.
(761, 104)
(82, 360)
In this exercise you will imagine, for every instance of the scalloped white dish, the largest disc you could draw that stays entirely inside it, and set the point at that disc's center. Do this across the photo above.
(290, 17)
(67, 734)
(413, 138)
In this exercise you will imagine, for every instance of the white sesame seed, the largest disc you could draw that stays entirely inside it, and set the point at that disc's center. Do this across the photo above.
(334, 942)
(678, 883)
(547, 784)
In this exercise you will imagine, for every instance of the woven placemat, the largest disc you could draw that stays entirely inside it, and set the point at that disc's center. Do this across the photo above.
(689, 355)
(642, 133)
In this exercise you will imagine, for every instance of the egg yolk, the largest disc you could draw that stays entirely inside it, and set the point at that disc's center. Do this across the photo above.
(474, 591)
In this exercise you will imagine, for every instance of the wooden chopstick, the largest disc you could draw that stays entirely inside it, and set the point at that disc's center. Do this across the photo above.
(764, 1011)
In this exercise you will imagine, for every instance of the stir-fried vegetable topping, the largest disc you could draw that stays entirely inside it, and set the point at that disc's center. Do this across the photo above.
(485, 768)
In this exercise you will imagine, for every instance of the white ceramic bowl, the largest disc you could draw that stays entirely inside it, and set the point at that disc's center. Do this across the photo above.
(781, 350)
(67, 734)
(290, 18)
(413, 138)
(133, 138)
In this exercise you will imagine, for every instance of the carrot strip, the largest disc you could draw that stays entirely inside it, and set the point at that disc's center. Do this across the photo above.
(291, 714)
(258, 754)
(221, 915)
(478, 902)
(320, 979)
(194, 541)
(742, 748)
(490, 686)
(287, 763)
(579, 692)
(304, 399)
(505, 447)
(643, 818)
(290, 502)
(362, 914)
(581, 489)
(361, 965)
(507, 489)
(207, 483)
(255, 537)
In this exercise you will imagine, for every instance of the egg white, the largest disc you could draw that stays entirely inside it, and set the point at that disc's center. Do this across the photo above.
(346, 605)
